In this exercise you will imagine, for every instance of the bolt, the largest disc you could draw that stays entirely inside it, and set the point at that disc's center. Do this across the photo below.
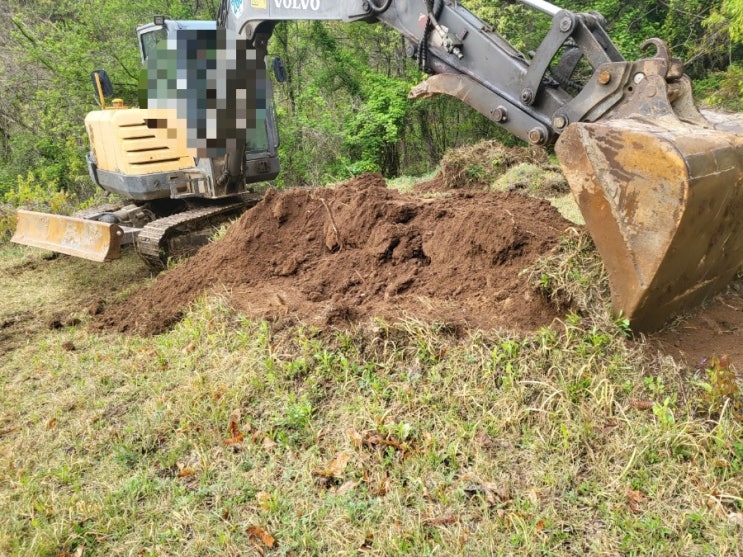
(604, 77)
(638, 77)
(527, 96)
(536, 136)
(566, 24)
(499, 114)
(410, 50)
(560, 121)
(365, 6)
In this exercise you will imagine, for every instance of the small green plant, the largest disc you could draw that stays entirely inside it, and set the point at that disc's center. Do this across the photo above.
(720, 387)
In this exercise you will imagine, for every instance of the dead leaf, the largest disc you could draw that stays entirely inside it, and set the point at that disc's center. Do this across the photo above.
(443, 520)
(336, 467)
(51, 424)
(234, 440)
(186, 472)
(634, 498)
(357, 440)
(641, 404)
(234, 429)
(258, 533)
(375, 440)
(269, 444)
(346, 487)
(496, 493)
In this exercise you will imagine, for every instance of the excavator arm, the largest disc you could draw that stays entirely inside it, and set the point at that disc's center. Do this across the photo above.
(659, 183)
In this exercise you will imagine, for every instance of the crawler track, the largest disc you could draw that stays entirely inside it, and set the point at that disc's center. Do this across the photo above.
(182, 234)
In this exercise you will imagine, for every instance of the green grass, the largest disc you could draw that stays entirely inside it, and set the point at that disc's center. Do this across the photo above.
(387, 439)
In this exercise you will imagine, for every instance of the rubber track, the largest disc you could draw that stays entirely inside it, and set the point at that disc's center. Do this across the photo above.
(153, 240)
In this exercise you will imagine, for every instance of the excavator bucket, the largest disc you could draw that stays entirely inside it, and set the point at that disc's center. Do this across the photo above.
(89, 239)
(663, 200)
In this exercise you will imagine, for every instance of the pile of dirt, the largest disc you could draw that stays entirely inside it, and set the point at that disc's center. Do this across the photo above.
(334, 256)
(492, 165)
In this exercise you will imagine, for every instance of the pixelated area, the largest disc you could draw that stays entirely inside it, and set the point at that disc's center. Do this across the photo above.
(215, 83)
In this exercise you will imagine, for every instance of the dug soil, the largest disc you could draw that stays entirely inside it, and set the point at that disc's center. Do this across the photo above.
(331, 257)
(334, 257)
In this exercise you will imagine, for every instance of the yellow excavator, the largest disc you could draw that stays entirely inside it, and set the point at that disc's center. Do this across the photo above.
(659, 182)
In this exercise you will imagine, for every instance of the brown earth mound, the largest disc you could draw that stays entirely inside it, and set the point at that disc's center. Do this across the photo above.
(333, 256)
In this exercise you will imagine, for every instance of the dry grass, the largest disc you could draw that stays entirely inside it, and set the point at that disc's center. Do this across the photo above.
(225, 437)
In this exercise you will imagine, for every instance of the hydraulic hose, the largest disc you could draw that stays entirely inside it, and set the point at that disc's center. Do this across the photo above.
(434, 9)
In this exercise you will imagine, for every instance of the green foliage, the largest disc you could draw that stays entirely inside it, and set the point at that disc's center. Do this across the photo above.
(343, 109)
(373, 132)
(49, 49)
(733, 10)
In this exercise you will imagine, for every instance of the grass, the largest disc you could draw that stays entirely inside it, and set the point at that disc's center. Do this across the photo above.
(226, 437)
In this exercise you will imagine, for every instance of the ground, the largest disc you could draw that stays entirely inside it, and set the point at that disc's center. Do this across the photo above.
(453, 252)
(355, 370)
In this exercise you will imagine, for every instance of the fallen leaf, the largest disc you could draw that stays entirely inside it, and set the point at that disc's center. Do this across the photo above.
(376, 440)
(634, 498)
(346, 487)
(186, 472)
(641, 404)
(234, 429)
(443, 520)
(234, 440)
(357, 440)
(336, 467)
(258, 533)
(52, 423)
(496, 493)
(269, 444)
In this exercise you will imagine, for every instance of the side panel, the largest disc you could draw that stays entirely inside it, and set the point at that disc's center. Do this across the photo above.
(135, 141)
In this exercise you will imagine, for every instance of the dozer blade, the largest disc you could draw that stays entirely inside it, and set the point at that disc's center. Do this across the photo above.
(89, 239)
(663, 201)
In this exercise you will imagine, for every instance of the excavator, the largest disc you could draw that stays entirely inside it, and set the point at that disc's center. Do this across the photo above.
(658, 181)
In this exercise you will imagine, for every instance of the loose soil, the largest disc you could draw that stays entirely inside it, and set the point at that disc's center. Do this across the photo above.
(330, 257)
(713, 330)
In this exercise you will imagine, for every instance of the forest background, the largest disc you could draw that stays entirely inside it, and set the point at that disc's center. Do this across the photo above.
(342, 111)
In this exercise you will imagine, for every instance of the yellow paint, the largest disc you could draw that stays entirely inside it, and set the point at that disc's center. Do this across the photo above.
(260, 4)
(121, 141)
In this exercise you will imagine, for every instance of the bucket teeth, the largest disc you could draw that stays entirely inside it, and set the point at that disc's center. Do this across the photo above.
(664, 205)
